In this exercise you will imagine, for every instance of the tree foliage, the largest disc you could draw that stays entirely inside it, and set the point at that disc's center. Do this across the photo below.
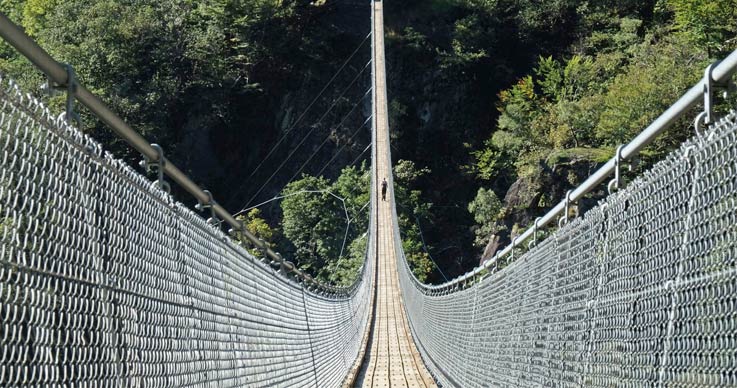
(318, 228)
(708, 23)
(486, 210)
(628, 64)
(175, 70)
(497, 88)
(412, 210)
(259, 227)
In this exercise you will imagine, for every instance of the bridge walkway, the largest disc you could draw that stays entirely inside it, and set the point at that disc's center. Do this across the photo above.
(392, 360)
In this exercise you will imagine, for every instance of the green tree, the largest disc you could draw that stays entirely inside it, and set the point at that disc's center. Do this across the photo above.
(710, 23)
(657, 76)
(486, 210)
(35, 14)
(312, 222)
(411, 210)
(344, 270)
(519, 107)
(258, 226)
(353, 185)
(317, 227)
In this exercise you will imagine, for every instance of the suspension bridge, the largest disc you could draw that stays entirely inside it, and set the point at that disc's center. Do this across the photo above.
(107, 280)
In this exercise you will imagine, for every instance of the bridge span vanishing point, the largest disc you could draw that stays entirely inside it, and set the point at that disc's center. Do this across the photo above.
(106, 280)
(392, 360)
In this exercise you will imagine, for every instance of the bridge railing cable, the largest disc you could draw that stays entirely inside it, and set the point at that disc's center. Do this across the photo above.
(719, 74)
(107, 280)
(639, 291)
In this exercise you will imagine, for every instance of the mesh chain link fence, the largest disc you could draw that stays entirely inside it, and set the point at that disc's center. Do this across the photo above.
(105, 280)
(639, 292)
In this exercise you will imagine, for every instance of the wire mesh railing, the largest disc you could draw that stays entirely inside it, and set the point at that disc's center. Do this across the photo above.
(61, 76)
(639, 292)
(106, 280)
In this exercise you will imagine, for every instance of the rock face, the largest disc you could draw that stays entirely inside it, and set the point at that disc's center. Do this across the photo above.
(531, 195)
(523, 198)
(490, 249)
(290, 119)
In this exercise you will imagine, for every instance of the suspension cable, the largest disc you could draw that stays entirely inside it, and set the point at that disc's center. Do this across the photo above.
(335, 156)
(361, 154)
(304, 138)
(348, 218)
(327, 138)
(302, 115)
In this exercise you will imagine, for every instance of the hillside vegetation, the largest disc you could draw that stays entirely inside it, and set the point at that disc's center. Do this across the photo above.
(497, 107)
(525, 99)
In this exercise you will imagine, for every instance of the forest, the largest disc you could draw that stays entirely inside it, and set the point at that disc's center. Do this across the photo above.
(497, 107)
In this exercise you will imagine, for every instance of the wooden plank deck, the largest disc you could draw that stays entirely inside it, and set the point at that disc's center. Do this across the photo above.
(392, 360)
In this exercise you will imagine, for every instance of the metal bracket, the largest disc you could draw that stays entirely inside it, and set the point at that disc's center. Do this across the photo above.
(708, 93)
(157, 164)
(210, 204)
(535, 226)
(71, 89)
(708, 117)
(71, 92)
(50, 87)
(261, 246)
(287, 267)
(697, 123)
(615, 183)
(277, 263)
(564, 219)
(514, 244)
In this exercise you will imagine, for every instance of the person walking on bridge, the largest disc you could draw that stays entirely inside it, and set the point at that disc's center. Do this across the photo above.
(383, 190)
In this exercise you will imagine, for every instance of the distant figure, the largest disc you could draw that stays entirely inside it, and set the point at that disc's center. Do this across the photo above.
(383, 190)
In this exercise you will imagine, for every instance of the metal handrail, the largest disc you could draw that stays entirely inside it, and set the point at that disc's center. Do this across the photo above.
(716, 73)
(58, 73)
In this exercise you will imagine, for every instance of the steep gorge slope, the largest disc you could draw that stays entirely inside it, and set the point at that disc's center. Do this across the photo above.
(502, 104)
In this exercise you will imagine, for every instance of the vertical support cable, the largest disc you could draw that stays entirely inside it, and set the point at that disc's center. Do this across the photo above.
(593, 303)
(672, 285)
(468, 353)
(309, 336)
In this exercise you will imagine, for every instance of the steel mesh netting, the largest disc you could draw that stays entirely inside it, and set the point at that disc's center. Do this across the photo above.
(105, 280)
(639, 292)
